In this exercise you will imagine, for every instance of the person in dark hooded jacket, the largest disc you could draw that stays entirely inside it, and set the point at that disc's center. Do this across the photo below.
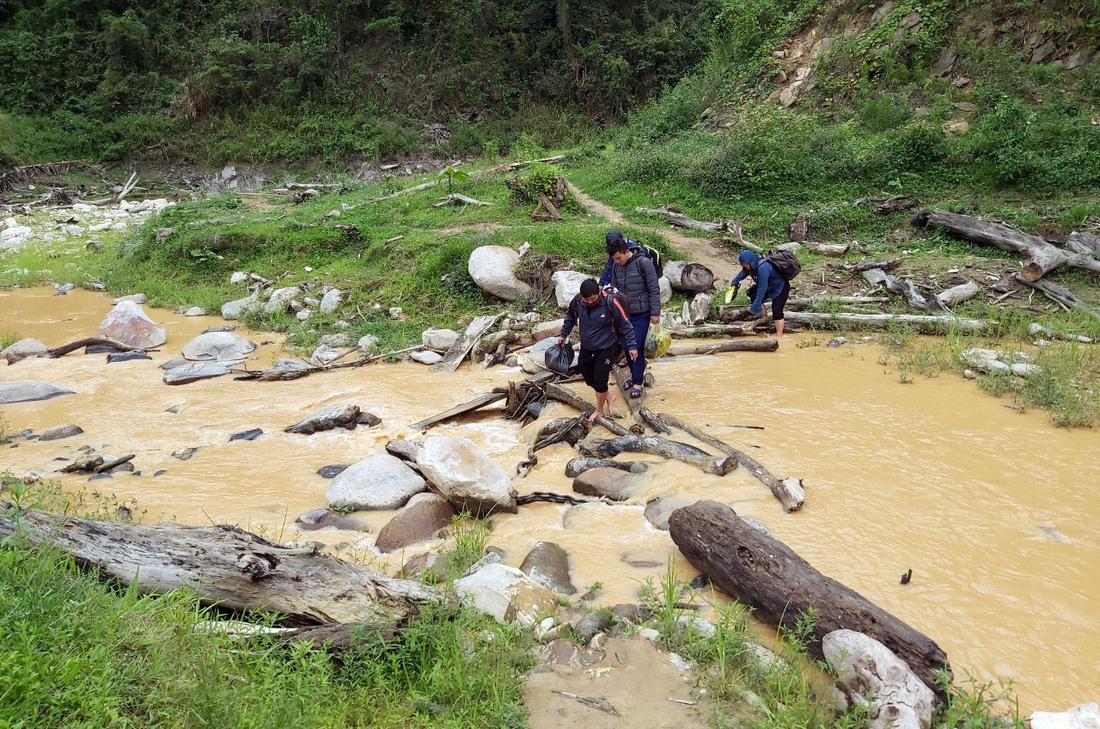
(612, 240)
(770, 286)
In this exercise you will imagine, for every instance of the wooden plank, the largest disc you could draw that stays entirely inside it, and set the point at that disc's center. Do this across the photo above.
(462, 347)
(467, 407)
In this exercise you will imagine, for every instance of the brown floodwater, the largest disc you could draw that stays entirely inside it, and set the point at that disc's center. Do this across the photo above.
(994, 510)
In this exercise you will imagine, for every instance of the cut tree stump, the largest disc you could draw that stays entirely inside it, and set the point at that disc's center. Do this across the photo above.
(673, 450)
(740, 345)
(1042, 257)
(789, 490)
(225, 566)
(781, 587)
(688, 276)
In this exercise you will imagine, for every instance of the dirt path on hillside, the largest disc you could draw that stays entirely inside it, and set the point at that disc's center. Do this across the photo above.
(710, 253)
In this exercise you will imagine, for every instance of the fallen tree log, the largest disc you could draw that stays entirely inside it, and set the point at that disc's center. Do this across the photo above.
(1085, 243)
(742, 345)
(923, 324)
(732, 313)
(461, 409)
(1059, 295)
(225, 566)
(958, 294)
(888, 264)
(455, 198)
(781, 587)
(623, 380)
(655, 445)
(102, 341)
(905, 289)
(1036, 329)
(835, 250)
(1042, 257)
(738, 238)
(679, 220)
(710, 330)
(789, 491)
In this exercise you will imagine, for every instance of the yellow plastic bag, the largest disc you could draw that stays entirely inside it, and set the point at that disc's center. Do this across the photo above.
(657, 342)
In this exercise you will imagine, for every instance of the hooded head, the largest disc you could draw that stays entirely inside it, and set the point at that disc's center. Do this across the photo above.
(749, 258)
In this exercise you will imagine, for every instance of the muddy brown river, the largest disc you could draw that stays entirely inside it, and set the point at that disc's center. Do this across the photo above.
(994, 510)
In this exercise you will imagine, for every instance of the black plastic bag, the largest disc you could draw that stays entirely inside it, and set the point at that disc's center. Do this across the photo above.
(559, 358)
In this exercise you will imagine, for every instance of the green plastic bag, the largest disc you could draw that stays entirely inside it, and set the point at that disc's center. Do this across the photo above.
(657, 342)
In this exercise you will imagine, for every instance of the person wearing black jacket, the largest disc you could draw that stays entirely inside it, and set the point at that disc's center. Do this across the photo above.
(636, 277)
(603, 324)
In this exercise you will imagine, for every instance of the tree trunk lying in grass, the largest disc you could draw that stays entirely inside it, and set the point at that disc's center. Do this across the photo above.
(780, 586)
(730, 313)
(1059, 295)
(688, 276)
(886, 265)
(680, 220)
(671, 449)
(227, 567)
(1042, 257)
(923, 324)
(906, 289)
(789, 490)
(958, 294)
(744, 345)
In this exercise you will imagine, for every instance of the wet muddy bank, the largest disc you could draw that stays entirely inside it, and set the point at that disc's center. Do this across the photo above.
(990, 508)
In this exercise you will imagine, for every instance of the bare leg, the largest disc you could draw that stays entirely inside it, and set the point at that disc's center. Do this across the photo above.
(601, 398)
(609, 402)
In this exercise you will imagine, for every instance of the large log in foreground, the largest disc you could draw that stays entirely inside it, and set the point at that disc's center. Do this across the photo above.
(227, 567)
(742, 345)
(780, 586)
(921, 323)
(789, 491)
(1042, 257)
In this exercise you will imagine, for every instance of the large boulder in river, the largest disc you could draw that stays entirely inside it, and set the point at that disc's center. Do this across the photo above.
(195, 371)
(465, 476)
(380, 482)
(659, 510)
(548, 565)
(29, 391)
(22, 349)
(567, 284)
(869, 672)
(493, 269)
(129, 324)
(60, 431)
(217, 347)
(608, 483)
(506, 594)
(422, 517)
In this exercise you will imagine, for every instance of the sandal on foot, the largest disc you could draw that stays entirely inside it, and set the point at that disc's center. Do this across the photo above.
(635, 392)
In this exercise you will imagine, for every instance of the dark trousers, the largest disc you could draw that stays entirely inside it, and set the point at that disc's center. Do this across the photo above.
(640, 322)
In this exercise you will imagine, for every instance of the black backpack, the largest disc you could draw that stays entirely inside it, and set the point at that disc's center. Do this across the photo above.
(654, 255)
(614, 298)
(785, 263)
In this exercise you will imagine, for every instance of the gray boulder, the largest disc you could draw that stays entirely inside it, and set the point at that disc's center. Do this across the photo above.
(136, 298)
(506, 594)
(580, 464)
(236, 309)
(195, 311)
(1082, 716)
(406, 450)
(289, 365)
(493, 269)
(368, 343)
(330, 302)
(440, 339)
(194, 372)
(380, 482)
(337, 415)
(129, 324)
(22, 349)
(422, 517)
(659, 510)
(547, 329)
(173, 363)
(567, 284)
(280, 300)
(426, 357)
(548, 565)
(29, 391)
(868, 673)
(465, 476)
(608, 483)
(61, 431)
(217, 347)
(323, 355)
(321, 518)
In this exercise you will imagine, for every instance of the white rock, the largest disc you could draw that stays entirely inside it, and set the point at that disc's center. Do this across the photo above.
(303, 314)
(323, 355)
(567, 284)
(136, 298)
(331, 301)
(677, 660)
(129, 324)
(666, 289)
(426, 357)
(866, 669)
(368, 343)
(441, 339)
(465, 476)
(650, 634)
(1025, 369)
(195, 311)
(380, 482)
(238, 277)
(1083, 716)
(547, 329)
(493, 269)
(702, 627)
(119, 226)
(506, 594)
(10, 223)
(217, 347)
(73, 230)
(280, 299)
(22, 349)
(236, 309)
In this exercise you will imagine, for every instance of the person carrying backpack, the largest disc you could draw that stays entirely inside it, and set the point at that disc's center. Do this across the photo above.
(771, 283)
(634, 274)
(603, 323)
(612, 239)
